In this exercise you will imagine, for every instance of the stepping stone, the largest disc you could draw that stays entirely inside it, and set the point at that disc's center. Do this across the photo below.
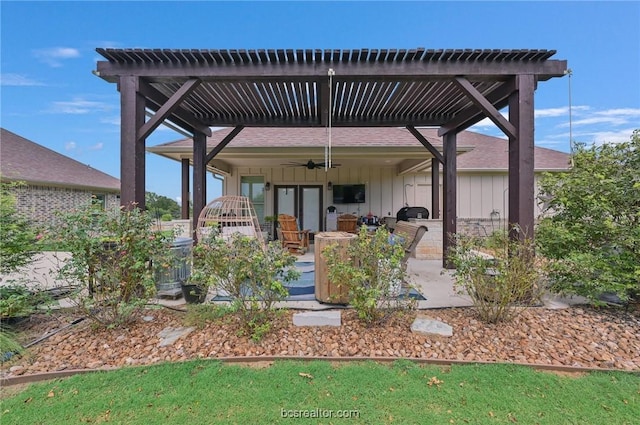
(317, 318)
(170, 335)
(427, 326)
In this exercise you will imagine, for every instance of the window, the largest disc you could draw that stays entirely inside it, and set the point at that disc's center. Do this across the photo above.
(253, 188)
(99, 201)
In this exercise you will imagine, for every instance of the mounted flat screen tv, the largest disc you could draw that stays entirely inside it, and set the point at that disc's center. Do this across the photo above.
(348, 194)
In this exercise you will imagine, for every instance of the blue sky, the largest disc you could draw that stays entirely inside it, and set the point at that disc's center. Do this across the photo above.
(50, 96)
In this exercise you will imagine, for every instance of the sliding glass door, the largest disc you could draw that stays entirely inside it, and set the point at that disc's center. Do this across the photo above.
(301, 201)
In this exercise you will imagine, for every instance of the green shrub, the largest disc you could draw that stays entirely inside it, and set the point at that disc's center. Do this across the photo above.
(592, 235)
(372, 272)
(251, 274)
(199, 314)
(498, 274)
(8, 344)
(18, 238)
(112, 253)
(16, 300)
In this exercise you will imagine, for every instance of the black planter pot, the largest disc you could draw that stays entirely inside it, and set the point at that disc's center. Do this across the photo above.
(194, 294)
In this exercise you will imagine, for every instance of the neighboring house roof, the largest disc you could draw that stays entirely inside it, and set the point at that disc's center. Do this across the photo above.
(24, 160)
(479, 152)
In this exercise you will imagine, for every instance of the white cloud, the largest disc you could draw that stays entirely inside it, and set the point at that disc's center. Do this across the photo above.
(623, 135)
(74, 149)
(18, 80)
(551, 112)
(613, 117)
(558, 112)
(54, 56)
(597, 120)
(631, 112)
(77, 106)
(179, 200)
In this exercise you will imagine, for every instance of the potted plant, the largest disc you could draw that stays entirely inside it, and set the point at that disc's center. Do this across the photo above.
(270, 225)
(196, 287)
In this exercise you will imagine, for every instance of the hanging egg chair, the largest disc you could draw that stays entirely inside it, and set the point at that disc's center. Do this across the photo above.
(229, 215)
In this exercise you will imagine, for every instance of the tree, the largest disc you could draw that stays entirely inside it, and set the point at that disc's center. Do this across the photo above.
(17, 236)
(160, 206)
(592, 237)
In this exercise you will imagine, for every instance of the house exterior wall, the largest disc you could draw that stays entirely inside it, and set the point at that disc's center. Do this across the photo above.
(41, 203)
(478, 194)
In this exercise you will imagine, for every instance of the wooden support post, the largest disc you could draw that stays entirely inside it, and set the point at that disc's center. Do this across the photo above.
(435, 188)
(132, 154)
(185, 189)
(449, 221)
(199, 176)
(521, 159)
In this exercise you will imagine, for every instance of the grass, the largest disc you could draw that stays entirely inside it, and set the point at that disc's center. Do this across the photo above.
(209, 392)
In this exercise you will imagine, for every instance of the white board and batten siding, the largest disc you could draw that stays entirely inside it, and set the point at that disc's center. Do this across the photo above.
(478, 194)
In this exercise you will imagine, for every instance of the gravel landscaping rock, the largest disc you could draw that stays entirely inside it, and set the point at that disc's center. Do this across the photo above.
(583, 337)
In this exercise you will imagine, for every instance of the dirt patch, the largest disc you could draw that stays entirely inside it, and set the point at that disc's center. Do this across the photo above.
(12, 390)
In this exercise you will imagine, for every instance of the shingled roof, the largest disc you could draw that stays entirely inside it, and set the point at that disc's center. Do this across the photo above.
(480, 152)
(23, 160)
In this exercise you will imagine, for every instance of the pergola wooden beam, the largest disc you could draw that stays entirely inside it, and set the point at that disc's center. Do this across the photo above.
(132, 148)
(449, 221)
(481, 102)
(178, 116)
(436, 154)
(521, 159)
(499, 98)
(295, 71)
(172, 104)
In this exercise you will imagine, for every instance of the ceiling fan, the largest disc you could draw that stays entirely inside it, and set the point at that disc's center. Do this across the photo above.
(310, 164)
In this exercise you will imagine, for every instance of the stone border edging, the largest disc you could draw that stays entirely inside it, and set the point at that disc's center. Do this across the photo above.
(38, 377)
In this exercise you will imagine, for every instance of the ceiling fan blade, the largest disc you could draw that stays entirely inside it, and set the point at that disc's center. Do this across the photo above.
(309, 164)
(323, 164)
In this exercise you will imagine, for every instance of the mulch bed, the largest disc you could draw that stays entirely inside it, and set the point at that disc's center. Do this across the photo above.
(578, 336)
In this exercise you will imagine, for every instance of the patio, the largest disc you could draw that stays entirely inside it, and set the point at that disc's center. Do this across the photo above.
(429, 278)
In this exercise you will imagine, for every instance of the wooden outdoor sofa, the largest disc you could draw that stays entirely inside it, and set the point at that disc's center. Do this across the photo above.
(411, 234)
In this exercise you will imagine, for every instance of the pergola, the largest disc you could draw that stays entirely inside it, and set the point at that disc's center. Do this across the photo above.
(450, 89)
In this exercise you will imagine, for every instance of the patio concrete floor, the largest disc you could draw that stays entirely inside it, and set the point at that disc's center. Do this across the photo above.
(427, 276)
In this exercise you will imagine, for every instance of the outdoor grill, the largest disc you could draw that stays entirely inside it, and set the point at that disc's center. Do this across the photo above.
(405, 213)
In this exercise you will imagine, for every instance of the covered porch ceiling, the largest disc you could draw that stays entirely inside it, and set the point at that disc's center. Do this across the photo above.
(270, 147)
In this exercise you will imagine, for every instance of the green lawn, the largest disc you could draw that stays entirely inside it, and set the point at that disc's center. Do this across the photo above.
(209, 392)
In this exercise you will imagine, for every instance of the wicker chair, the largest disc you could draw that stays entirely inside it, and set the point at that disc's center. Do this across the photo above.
(348, 223)
(229, 215)
(294, 239)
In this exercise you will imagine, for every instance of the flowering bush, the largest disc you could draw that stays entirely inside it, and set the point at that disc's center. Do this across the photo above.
(112, 253)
